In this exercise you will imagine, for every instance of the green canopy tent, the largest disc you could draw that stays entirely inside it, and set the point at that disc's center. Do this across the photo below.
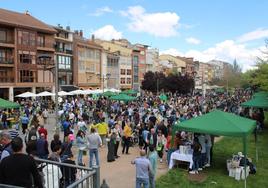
(123, 97)
(108, 94)
(257, 102)
(8, 104)
(261, 94)
(220, 123)
(129, 92)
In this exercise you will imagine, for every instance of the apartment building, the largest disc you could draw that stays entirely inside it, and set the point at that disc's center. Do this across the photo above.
(87, 62)
(124, 52)
(26, 54)
(169, 63)
(138, 64)
(64, 55)
(152, 59)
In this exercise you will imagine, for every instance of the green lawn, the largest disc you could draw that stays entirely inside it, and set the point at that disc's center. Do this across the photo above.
(217, 174)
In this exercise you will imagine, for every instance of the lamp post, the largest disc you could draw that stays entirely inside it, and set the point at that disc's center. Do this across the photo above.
(54, 70)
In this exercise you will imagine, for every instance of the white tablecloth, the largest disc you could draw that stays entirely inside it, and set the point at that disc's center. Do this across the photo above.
(176, 155)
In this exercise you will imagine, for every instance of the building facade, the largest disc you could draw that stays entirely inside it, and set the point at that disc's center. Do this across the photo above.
(26, 54)
(122, 48)
(64, 55)
(172, 64)
(87, 63)
(152, 59)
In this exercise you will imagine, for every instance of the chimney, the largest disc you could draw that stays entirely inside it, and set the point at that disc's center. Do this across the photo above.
(81, 33)
(76, 32)
(68, 28)
(27, 13)
(93, 38)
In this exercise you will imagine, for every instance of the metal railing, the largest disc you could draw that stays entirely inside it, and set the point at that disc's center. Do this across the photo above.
(4, 60)
(59, 174)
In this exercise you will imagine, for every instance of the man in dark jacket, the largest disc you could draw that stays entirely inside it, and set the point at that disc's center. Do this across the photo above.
(152, 138)
(42, 147)
(19, 169)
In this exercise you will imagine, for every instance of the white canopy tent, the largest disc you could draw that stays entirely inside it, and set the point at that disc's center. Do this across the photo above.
(26, 95)
(45, 94)
(77, 92)
(63, 93)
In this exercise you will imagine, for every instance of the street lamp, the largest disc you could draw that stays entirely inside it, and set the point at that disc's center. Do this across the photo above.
(54, 70)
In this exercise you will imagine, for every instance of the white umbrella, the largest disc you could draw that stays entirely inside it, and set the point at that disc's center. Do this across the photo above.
(87, 92)
(26, 95)
(96, 91)
(63, 93)
(45, 94)
(77, 92)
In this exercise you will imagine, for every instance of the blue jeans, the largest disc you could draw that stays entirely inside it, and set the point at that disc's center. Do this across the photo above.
(142, 181)
(79, 157)
(91, 153)
(202, 160)
(152, 181)
(208, 154)
(196, 161)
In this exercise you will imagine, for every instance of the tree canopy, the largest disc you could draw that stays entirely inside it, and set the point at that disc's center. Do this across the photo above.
(172, 82)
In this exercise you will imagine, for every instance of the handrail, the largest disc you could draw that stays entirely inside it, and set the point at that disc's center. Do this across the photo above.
(64, 164)
(76, 183)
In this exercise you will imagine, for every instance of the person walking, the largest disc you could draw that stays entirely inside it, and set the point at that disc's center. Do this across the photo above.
(161, 142)
(153, 160)
(19, 169)
(94, 141)
(24, 123)
(143, 169)
(117, 132)
(81, 144)
(42, 147)
(126, 138)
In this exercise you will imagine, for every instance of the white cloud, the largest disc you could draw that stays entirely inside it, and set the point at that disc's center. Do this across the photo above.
(227, 51)
(107, 32)
(253, 35)
(192, 40)
(101, 11)
(172, 51)
(161, 24)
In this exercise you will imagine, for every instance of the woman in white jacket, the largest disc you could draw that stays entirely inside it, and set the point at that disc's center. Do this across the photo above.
(52, 175)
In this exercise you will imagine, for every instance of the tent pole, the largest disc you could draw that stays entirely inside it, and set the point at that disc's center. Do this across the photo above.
(245, 157)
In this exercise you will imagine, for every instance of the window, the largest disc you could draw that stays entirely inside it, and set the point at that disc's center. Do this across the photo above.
(27, 76)
(64, 62)
(26, 38)
(97, 55)
(128, 80)
(32, 39)
(136, 79)
(135, 60)
(123, 81)
(27, 57)
(3, 36)
(128, 72)
(41, 40)
(122, 71)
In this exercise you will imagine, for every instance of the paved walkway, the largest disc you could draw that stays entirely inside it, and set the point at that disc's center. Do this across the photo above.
(118, 174)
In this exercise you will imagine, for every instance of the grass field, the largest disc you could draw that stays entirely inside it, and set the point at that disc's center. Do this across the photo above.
(217, 175)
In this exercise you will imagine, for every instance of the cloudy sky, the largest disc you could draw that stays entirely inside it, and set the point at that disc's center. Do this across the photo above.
(203, 29)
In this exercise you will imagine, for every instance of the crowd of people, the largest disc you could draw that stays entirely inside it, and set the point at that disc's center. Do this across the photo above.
(89, 123)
